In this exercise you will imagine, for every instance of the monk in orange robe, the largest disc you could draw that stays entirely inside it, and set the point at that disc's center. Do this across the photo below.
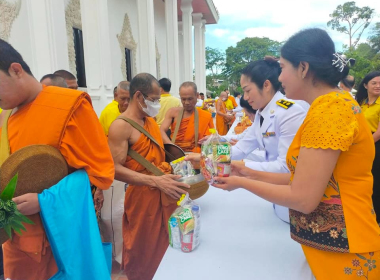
(64, 119)
(149, 199)
(223, 119)
(185, 136)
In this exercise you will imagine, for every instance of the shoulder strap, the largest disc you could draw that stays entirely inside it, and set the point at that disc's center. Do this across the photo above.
(178, 123)
(139, 128)
(196, 120)
(5, 150)
(146, 133)
(144, 162)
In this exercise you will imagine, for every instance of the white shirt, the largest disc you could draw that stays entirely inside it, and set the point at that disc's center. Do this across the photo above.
(274, 136)
(238, 108)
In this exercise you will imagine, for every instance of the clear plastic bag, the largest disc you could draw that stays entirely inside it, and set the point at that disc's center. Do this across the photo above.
(184, 225)
(215, 157)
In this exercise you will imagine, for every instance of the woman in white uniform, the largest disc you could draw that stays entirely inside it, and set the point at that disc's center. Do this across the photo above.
(276, 122)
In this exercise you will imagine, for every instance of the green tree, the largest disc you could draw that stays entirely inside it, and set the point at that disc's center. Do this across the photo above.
(366, 51)
(247, 50)
(351, 20)
(374, 39)
(215, 60)
(363, 65)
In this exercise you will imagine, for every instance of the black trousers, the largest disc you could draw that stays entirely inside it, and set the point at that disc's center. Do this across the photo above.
(376, 181)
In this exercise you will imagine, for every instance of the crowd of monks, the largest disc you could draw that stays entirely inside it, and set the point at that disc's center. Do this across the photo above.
(141, 118)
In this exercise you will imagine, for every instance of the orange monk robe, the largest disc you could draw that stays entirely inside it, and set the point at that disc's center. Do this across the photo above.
(221, 124)
(186, 132)
(83, 145)
(146, 213)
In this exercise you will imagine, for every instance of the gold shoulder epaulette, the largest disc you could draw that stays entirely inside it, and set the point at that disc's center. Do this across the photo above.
(284, 103)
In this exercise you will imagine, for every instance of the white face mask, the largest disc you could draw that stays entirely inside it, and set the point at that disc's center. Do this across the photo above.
(152, 108)
(224, 99)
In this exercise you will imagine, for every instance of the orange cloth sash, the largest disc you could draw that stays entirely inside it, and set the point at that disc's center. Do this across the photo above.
(186, 135)
(221, 123)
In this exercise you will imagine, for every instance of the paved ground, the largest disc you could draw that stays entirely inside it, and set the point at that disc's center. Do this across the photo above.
(116, 273)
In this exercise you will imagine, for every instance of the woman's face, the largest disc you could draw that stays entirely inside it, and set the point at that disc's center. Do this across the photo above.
(254, 96)
(373, 86)
(290, 79)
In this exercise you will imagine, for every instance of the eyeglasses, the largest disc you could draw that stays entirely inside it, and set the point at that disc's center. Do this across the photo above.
(150, 98)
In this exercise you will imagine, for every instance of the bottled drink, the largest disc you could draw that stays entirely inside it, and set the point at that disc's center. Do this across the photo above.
(197, 224)
(174, 233)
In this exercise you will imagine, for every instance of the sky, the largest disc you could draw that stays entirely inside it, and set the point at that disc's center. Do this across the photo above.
(276, 19)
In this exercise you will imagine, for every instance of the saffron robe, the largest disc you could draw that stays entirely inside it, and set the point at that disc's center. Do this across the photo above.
(186, 132)
(146, 213)
(221, 123)
(64, 119)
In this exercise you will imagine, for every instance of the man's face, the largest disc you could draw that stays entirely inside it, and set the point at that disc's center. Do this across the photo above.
(202, 97)
(11, 94)
(123, 98)
(188, 98)
(73, 84)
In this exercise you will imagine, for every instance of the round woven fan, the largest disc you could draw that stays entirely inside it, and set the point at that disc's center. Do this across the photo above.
(38, 167)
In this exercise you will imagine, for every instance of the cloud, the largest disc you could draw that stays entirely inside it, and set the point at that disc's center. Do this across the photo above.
(275, 19)
(220, 32)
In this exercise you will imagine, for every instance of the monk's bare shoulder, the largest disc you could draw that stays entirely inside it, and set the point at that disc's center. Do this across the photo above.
(173, 112)
(120, 130)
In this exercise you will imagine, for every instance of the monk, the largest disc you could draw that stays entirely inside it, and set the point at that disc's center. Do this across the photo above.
(53, 80)
(119, 104)
(185, 135)
(223, 118)
(70, 79)
(149, 199)
(59, 117)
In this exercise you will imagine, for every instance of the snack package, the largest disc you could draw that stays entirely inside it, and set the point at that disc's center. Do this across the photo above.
(184, 225)
(215, 157)
(182, 167)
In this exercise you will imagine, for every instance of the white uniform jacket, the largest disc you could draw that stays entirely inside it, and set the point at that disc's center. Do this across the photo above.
(282, 118)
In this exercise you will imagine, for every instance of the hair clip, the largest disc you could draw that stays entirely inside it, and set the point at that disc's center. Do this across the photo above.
(341, 61)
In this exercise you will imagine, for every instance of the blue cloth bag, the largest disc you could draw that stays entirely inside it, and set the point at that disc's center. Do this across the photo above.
(68, 216)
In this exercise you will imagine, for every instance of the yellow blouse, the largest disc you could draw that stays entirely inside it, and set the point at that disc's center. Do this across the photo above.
(372, 113)
(344, 221)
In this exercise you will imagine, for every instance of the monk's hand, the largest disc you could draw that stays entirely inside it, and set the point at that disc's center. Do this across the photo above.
(98, 199)
(27, 204)
(227, 183)
(168, 184)
(201, 141)
(195, 159)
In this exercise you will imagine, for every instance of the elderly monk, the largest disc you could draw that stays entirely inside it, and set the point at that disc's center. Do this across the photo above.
(188, 124)
(54, 116)
(116, 107)
(70, 79)
(53, 80)
(149, 200)
(223, 118)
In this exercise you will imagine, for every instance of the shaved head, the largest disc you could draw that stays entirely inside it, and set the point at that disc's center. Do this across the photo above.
(190, 84)
(70, 79)
(53, 80)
